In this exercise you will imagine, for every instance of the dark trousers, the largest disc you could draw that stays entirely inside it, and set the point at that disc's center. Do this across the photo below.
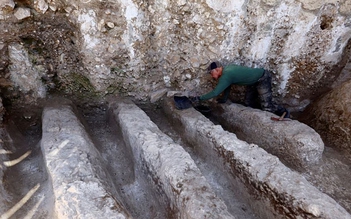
(263, 89)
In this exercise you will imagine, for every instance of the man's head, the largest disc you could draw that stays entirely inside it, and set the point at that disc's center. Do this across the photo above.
(215, 69)
(213, 65)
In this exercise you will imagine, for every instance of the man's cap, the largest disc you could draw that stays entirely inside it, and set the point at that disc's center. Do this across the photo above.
(213, 65)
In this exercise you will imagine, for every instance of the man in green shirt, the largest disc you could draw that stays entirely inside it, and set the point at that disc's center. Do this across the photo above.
(256, 80)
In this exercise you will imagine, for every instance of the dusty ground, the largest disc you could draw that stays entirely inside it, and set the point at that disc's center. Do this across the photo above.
(24, 124)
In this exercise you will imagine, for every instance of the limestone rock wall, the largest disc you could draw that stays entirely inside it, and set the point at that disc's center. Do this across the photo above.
(138, 47)
(330, 116)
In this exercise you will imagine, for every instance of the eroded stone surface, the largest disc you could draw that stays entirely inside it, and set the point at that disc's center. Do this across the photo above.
(314, 5)
(41, 6)
(82, 188)
(170, 166)
(22, 13)
(23, 74)
(294, 142)
(281, 192)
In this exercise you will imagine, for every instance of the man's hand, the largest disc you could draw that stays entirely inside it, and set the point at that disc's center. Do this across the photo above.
(195, 99)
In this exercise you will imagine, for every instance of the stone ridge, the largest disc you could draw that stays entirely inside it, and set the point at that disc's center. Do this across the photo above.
(292, 141)
(272, 189)
(80, 184)
(177, 174)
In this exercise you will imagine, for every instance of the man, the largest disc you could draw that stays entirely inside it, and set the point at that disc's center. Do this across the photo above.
(256, 80)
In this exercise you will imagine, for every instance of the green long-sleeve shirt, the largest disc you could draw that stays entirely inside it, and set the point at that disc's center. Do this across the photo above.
(234, 74)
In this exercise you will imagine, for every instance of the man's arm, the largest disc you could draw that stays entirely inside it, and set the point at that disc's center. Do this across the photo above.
(221, 86)
(225, 95)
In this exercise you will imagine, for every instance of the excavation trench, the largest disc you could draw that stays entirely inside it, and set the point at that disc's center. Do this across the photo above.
(109, 160)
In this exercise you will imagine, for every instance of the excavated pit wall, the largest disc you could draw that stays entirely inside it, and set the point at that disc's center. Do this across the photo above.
(272, 189)
(140, 48)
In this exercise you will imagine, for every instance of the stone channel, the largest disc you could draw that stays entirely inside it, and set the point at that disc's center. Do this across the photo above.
(132, 161)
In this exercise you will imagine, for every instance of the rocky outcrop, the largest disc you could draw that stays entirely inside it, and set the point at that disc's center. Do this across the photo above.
(24, 74)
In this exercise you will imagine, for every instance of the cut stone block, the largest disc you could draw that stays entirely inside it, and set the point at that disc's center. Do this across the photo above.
(81, 186)
(171, 168)
(22, 13)
(297, 144)
(272, 189)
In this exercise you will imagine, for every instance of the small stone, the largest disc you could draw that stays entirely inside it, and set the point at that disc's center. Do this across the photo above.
(6, 6)
(27, 117)
(108, 12)
(53, 7)
(167, 81)
(110, 25)
(313, 209)
(41, 6)
(155, 96)
(22, 13)
(68, 9)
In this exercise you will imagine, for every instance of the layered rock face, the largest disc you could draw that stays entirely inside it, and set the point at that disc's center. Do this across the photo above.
(331, 117)
(140, 47)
